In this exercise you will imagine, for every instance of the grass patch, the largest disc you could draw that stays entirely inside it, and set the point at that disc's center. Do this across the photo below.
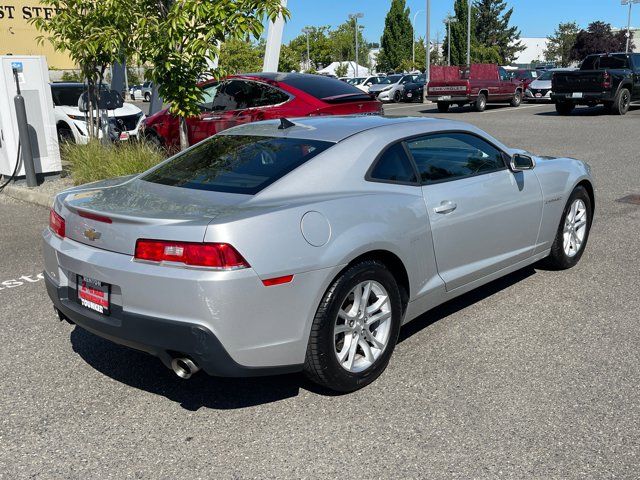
(94, 161)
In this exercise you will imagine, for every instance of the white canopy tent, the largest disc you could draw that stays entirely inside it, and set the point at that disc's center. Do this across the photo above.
(351, 69)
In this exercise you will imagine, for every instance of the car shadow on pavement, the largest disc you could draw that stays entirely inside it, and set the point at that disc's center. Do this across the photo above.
(596, 111)
(143, 371)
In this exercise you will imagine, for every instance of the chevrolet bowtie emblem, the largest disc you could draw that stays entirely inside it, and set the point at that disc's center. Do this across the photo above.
(92, 235)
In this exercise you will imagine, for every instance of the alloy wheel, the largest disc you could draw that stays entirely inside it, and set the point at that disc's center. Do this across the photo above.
(362, 327)
(575, 228)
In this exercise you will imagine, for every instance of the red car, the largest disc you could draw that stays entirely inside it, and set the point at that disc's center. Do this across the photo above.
(478, 85)
(261, 96)
(525, 76)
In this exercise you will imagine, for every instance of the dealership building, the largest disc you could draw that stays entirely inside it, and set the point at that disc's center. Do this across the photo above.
(19, 37)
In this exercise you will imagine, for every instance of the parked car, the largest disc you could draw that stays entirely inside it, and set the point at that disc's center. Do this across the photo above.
(142, 92)
(611, 79)
(479, 85)
(364, 83)
(389, 89)
(540, 89)
(305, 244)
(72, 123)
(414, 91)
(526, 76)
(133, 89)
(261, 96)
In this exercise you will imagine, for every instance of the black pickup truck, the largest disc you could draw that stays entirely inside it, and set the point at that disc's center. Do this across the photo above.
(611, 79)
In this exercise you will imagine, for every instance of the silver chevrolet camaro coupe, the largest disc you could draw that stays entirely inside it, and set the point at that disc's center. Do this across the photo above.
(305, 244)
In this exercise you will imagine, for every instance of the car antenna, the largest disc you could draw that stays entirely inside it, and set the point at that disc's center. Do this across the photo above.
(284, 124)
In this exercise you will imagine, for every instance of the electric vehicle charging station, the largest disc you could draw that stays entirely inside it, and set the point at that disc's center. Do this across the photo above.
(33, 78)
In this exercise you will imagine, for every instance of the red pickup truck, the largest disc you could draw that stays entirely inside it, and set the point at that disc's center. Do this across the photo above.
(478, 85)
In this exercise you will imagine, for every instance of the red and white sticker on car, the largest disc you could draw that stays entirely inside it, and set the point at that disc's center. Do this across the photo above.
(93, 294)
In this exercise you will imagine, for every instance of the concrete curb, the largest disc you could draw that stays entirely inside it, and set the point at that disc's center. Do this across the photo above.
(27, 194)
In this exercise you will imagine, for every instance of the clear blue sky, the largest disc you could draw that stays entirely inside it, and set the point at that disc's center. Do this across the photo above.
(535, 18)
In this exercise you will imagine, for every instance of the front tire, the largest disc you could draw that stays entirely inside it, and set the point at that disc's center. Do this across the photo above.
(517, 99)
(355, 328)
(573, 231)
(397, 96)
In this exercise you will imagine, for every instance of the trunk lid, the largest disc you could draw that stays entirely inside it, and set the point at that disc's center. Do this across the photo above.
(114, 217)
(578, 81)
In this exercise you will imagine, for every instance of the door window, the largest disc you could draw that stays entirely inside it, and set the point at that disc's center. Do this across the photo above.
(240, 94)
(450, 156)
(394, 166)
(208, 95)
(504, 76)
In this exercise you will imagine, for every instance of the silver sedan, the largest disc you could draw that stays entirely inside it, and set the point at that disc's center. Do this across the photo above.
(305, 244)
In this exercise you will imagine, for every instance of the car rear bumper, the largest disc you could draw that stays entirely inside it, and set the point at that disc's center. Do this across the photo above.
(226, 321)
(450, 98)
(582, 98)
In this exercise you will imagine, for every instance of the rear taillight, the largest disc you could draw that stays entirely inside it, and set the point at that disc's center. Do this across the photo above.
(606, 81)
(56, 223)
(220, 256)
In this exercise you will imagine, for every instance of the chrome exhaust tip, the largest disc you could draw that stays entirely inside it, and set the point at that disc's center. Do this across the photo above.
(184, 367)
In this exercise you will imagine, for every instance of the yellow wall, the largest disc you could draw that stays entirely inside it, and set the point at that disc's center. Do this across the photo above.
(18, 36)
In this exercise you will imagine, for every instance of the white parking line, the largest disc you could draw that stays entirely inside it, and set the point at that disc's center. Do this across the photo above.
(21, 281)
(507, 109)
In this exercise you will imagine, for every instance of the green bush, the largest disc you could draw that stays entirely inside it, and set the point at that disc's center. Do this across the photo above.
(94, 161)
(71, 76)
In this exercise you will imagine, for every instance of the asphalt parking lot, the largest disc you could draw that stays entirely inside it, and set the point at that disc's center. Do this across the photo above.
(536, 375)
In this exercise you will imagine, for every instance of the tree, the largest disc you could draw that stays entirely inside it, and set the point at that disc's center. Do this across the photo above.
(459, 34)
(598, 38)
(342, 70)
(561, 42)
(178, 38)
(241, 56)
(290, 59)
(343, 45)
(492, 30)
(397, 37)
(95, 35)
(320, 46)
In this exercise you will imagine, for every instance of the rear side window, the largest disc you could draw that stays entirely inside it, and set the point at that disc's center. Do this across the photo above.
(236, 163)
(603, 62)
(450, 156)
(394, 166)
(325, 88)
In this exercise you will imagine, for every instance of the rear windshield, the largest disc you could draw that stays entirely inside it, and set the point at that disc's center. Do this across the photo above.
(325, 88)
(604, 62)
(236, 163)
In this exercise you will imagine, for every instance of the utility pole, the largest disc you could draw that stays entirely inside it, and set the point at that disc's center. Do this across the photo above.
(413, 37)
(629, 2)
(449, 20)
(355, 17)
(427, 39)
(469, 33)
(307, 31)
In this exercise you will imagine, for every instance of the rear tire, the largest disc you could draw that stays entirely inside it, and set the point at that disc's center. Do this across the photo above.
(443, 107)
(517, 99)
(570, 241)
(481, 103)
(332, 360)
(621, 102)
(565, 108)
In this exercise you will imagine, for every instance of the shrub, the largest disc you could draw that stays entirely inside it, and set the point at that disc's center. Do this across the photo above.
(94, 161)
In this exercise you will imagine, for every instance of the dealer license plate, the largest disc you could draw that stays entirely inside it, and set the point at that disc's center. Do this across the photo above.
(94, 294)
(444, 97)
(538, 95)
(576, 95)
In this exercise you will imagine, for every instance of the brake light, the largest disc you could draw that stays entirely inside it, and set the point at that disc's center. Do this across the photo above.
(56, 223)
(220, 256)
(606, 80)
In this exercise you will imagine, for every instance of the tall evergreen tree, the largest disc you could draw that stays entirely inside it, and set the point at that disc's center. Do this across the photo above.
(397, 37)
(459, 34)
(561, 42)
(492, 29)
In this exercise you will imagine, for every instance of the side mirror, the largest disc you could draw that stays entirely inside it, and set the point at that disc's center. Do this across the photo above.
(520, 162)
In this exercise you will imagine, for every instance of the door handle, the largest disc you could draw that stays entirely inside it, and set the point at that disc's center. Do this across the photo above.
(445, 207)
(209, 119)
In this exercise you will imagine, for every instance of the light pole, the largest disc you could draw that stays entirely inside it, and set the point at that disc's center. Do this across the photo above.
(449, 20)
(413, 36)
(469, 33)
(355, 17)
(427, 40)
(629, 2)
(307, 31)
